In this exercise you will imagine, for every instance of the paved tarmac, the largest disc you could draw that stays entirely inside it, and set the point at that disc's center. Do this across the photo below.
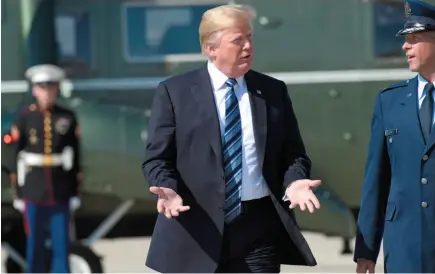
(128, 256)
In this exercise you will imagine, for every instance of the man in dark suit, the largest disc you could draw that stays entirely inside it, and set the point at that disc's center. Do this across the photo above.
(223, 149)
(398, 200)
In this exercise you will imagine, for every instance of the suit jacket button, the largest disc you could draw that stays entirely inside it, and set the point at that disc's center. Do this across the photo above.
(425, 157)
(424, 181)
(424, 204)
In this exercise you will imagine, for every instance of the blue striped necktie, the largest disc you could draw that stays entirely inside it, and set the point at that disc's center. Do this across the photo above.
(232, 150)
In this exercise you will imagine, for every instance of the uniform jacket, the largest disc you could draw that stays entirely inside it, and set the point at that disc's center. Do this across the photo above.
(46, 134)
(398, 197)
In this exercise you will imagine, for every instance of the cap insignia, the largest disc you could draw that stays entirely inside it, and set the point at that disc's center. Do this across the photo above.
(408, 10)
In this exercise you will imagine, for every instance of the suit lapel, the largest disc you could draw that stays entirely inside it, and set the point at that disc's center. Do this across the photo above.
(203, 93)
(431, 142)
(410, 113)
(259, 113)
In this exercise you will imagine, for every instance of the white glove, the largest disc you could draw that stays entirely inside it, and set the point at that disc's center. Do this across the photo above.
(19, 205)
(74, 203)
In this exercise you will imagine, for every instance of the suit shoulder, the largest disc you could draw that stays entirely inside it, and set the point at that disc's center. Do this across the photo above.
(395, 86)
(180, 78)
(264, 77)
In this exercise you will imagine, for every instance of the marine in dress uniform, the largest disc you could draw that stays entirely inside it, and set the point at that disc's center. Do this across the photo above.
(47, 172)
(398, 197)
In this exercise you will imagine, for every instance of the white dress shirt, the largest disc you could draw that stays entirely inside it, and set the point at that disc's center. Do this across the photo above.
(421, 84)
(253, 184)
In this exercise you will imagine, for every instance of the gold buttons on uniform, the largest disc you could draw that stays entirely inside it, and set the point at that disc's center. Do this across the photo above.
(47, 133)
(32, 136)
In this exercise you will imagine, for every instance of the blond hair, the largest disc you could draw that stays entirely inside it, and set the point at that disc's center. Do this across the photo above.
(219, 18)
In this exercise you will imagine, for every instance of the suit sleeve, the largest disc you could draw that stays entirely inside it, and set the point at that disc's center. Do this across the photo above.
(159, 165)
(375, 191)
(76, 145)
(297, 165)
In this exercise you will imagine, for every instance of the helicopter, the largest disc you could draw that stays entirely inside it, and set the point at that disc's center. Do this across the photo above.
(112, 143)
(113, 96)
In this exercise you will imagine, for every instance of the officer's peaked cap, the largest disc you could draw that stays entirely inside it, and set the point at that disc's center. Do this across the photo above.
(44, 73)
(420, 16)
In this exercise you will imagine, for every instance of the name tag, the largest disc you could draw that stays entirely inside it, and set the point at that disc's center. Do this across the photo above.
(390, 132)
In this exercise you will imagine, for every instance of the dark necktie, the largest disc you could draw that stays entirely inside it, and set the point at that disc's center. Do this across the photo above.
(232, 153)
(426, 111)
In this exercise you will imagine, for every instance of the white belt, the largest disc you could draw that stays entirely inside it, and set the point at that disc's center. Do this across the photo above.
(64, 159)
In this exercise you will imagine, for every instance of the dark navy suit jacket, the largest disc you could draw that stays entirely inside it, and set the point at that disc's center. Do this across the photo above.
(398, 200)
(184, 153)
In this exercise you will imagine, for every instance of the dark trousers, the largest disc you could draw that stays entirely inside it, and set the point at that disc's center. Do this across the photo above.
(38, 220)
(250, 242)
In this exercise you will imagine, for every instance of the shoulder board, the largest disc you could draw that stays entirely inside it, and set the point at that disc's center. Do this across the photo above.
(63, 108)
(396, 85)
(28, 109)
(32, 107)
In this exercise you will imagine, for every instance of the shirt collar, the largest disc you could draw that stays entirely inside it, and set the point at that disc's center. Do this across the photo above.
(218, 79)
(421, 84)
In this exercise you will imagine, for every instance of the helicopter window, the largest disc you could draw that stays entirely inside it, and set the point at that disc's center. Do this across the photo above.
(388, 16)
(166, 30)
(74, 39)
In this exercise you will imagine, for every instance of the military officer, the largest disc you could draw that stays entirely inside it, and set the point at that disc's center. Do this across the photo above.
(398, 197)
(47, 172)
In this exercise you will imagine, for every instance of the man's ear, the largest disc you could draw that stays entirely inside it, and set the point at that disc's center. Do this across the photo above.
(210, 50)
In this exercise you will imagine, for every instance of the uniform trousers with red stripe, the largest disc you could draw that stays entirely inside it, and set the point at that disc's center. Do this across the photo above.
(45, 222)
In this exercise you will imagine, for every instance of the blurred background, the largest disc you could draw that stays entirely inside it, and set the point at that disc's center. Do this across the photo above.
(334, 56)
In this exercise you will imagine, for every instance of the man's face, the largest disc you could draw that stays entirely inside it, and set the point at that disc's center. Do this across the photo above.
(233, 54)
(420, 50)
(45, 93)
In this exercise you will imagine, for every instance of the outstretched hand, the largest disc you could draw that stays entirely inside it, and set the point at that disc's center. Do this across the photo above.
(169, 202)
(300, 193)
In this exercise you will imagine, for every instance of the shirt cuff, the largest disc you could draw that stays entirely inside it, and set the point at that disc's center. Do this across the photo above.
(285, 198)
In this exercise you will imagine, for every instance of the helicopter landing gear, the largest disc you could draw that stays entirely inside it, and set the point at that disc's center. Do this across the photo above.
(82, 258)
(346, 247)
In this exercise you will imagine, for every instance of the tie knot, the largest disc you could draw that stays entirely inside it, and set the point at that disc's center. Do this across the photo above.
(428, 89)
(231, 82)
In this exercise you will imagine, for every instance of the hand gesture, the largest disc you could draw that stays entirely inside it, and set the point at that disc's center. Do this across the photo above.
(364, 265)
(300, 193)
(169, 202)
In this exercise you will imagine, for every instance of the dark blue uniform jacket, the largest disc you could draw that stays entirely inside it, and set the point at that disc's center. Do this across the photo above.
(398, 200)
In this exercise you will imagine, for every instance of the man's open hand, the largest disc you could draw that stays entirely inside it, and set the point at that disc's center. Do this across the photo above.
(300, 193)
(169, 202)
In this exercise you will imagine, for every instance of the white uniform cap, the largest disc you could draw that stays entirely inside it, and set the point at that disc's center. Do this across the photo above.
(45, 73)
